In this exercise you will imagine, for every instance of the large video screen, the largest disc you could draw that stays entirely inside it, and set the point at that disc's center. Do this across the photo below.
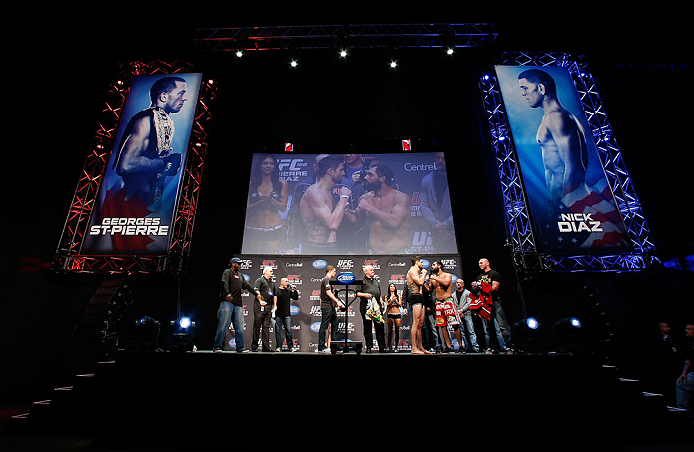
(572, 206)
(137, 197)
(349, 204)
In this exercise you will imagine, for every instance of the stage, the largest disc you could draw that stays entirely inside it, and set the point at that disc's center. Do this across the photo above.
(305, 401)
(468, 107)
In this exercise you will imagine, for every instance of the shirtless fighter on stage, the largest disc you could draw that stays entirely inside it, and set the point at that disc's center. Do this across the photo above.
(446, 311)
(416, 276)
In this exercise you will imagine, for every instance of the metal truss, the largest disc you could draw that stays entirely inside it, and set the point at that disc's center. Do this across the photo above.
(350, 36)
(67, 257)
(520, 235)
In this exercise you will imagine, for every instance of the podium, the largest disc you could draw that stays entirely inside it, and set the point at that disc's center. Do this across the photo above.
(345, 279)
(345, 345)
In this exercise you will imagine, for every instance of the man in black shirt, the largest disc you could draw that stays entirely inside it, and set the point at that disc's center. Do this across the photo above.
(265, 304)
(285, 295)
(493, 277)
(371, 291)
(231, 305)
(328, 301)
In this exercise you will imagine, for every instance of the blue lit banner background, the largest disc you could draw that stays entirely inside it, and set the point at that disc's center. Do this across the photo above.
(411, 171)
(591, 225)
(157, 218)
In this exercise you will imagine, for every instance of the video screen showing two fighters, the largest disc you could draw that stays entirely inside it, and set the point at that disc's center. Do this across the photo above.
(349, 204)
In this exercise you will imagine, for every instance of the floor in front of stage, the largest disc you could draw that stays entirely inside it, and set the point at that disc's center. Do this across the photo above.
(307, 401)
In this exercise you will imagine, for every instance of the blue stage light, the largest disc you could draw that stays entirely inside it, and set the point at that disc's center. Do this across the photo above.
(529, 336)
(569, 336)
(181, 335)
(143, 334)
(532, 323)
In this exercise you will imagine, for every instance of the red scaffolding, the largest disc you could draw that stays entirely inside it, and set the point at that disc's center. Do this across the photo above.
(67, 256)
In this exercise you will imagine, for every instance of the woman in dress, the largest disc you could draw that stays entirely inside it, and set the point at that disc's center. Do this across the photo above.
(267, 197)
(393, 302)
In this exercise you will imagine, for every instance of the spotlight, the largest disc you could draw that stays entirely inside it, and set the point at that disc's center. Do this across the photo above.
(294, 63)
(239, 53)
(569, 336)
(529, 336)
(343, 53)
(143, 334)
(393, 64)
(449, 51)
(532, 323)
(181, 335)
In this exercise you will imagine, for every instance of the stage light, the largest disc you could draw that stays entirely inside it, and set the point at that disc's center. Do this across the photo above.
(181, 337)
(569, 335)
(239, 53)
(143, 334)
(343, 53)
(449, 51)
(530, 336)
(393, 64)
(294, 63)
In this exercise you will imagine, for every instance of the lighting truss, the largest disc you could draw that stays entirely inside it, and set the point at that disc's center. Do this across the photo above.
(67, 256)
(527, 258)
(354, 36)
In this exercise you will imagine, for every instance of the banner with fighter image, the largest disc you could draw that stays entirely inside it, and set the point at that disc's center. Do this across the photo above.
(306, 273)
(349, 204)
(571, 204)
(137, 197)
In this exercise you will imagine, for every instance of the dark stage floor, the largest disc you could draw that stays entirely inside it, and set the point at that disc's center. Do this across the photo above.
(306, 401)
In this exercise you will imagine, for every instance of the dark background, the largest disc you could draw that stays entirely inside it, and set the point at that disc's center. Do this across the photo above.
(56, 71)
